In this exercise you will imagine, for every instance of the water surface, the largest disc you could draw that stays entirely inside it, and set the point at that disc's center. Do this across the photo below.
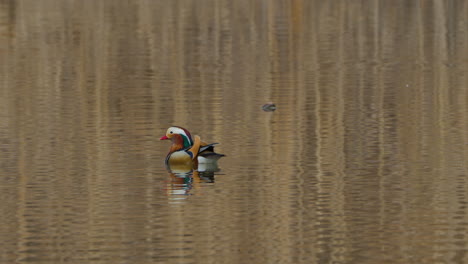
(364, 160)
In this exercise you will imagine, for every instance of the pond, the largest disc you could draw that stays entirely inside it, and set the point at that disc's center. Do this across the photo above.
(364, 159)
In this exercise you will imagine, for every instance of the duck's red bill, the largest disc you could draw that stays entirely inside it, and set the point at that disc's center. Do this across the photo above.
(163, 138)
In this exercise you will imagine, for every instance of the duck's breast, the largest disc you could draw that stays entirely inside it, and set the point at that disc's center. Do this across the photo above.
(180, 157)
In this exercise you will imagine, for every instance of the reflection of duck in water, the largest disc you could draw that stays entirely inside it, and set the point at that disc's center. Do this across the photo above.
(185, 181)
(181, 183)
(184, 150)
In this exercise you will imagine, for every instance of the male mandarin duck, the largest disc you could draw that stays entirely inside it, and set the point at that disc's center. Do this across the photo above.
(184, 150)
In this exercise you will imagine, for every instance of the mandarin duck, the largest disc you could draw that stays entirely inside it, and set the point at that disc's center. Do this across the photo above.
(185, 150)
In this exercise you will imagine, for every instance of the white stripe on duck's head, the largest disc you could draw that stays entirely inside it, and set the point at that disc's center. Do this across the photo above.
(182, 132)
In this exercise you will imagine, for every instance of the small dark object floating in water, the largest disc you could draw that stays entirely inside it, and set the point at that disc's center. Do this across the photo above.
(269, 107)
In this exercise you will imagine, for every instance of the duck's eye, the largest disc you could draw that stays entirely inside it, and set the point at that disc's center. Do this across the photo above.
(171, 132)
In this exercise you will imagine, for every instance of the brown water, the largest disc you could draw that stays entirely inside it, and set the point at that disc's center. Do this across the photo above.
(364, 161)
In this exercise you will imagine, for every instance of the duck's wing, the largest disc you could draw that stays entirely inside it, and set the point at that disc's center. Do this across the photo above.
(207, 153)
(207, 147)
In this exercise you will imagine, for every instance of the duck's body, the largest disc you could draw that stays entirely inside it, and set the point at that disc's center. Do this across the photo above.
(184, 150)
(179, 157)
(269, 107)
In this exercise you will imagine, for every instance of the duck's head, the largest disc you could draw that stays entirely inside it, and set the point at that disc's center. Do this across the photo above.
(176, 133)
